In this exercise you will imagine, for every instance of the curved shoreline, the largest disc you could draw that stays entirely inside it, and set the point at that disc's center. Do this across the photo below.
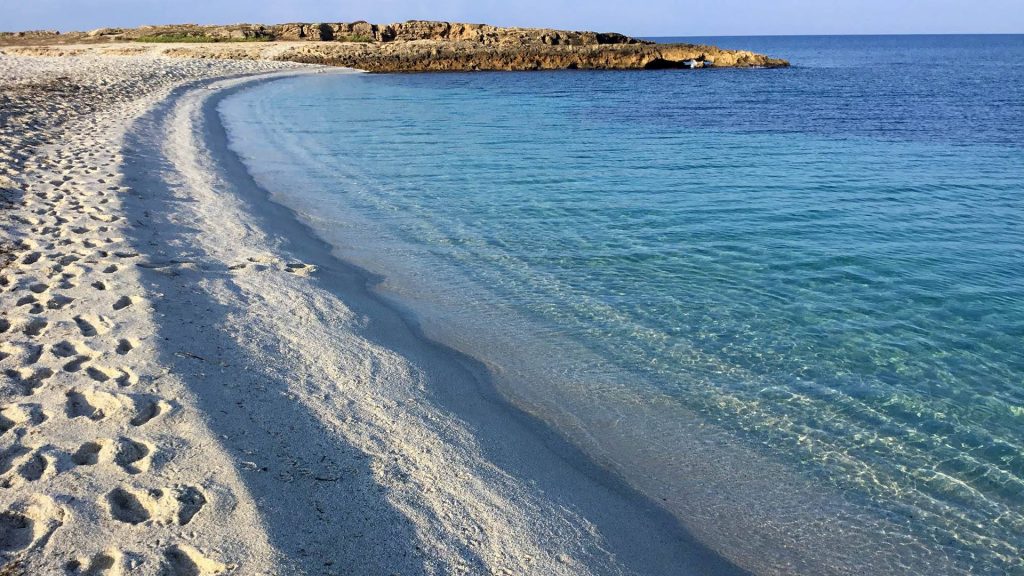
(765, 516)
(631, 533)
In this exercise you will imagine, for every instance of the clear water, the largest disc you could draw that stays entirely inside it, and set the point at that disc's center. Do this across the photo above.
(787, 304)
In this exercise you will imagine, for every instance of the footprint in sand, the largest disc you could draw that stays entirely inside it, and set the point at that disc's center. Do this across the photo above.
(92, 453)
(107, 218)
(28, 379)
(31, 353)
(17, 532)
(107, 563)
(12, 457)
(92, 325)
(122, 376)
(35, 306)
(21, 354)
(181, 560)
(71, 349)
(27, 466)
(134, 456)
(72, 271)
(99, 373)
(133, 507)
(190, 501)
(92, 404)
(69, 259)
(300, 269)
(35, 327)
(126, 377)
(28, 524)
(147, 409)
(131, 455)
(66, 283)
(26, 300)
(123, 302)
(124, 346)
(16, 415)
(76, 363)
(59, 302)
(259, 263)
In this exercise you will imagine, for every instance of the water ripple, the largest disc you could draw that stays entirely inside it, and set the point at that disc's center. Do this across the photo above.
(825, 263)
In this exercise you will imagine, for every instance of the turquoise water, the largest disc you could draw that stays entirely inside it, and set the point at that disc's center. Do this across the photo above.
(815, 272)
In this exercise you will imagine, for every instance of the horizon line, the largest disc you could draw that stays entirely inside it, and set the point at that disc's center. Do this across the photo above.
(833, 34)
(634, 35)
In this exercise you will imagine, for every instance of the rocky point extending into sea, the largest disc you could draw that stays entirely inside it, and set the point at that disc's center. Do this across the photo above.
(413, 46)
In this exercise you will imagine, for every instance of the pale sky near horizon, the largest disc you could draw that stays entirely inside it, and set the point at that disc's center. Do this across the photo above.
(642, 18)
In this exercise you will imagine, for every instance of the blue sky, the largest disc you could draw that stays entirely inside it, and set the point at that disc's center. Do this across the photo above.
(640, 17)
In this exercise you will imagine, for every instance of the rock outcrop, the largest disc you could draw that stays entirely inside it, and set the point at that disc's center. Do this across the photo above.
(30, 35)
(360, 32)
(413, 46)
(419, 56)
(482, 34)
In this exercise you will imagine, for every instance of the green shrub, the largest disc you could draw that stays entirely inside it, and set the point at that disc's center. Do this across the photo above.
(353, 38)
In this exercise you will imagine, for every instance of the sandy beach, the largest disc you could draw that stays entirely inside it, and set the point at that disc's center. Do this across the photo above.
(194, 384)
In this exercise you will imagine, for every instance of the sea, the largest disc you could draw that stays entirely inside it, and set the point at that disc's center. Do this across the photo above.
(787, 305)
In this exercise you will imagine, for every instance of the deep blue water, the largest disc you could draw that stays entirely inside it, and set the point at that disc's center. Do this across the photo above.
(820, 268)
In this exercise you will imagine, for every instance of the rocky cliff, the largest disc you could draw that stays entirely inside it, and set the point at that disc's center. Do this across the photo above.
(454, 56)
(412, 46)
(366, 32)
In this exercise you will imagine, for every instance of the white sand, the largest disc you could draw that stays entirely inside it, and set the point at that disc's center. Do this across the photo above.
(194, 385)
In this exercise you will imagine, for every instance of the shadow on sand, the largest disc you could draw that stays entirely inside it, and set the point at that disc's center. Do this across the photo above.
(357, 530)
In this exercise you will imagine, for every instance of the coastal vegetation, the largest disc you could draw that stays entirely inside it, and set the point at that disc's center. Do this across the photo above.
(354, 38)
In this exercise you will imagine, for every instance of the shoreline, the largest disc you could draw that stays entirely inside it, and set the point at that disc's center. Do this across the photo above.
(280, 429)
(358, 293)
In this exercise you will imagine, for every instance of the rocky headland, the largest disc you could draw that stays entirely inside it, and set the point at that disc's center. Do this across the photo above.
(414, 46)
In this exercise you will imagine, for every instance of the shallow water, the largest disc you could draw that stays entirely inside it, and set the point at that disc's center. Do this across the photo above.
(821, 268)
